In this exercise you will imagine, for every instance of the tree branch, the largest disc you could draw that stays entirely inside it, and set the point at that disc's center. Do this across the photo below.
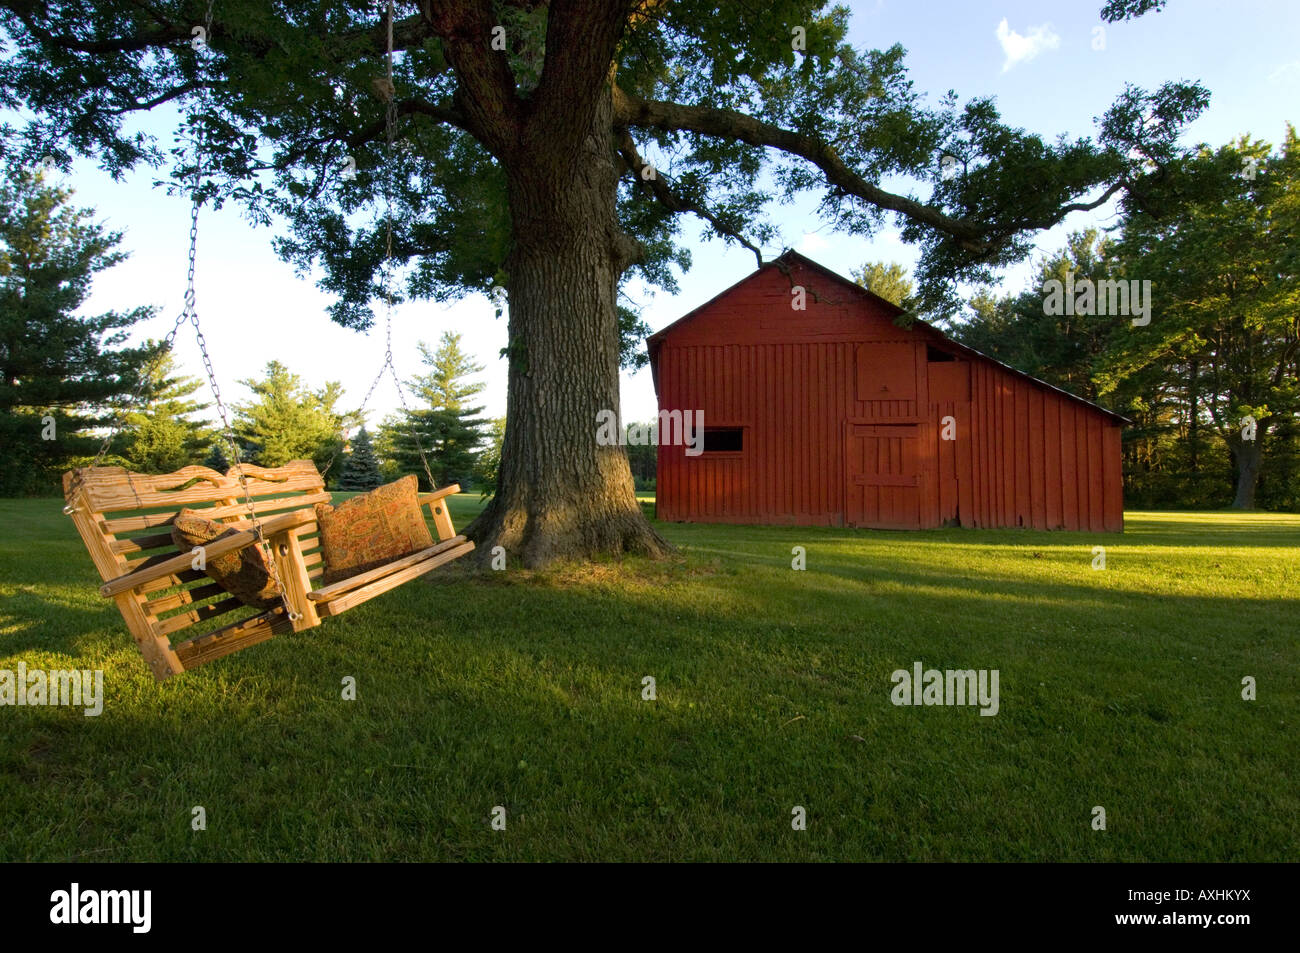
(409, 32)
(408, 107)
(128, 44)
(633, 111)
(581, 39)
(657, 186)
(136, 105)
(485, 95)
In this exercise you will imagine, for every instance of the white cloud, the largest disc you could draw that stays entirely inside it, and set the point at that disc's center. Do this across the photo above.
(1285, 73)
(1020, 49)
(812, 243)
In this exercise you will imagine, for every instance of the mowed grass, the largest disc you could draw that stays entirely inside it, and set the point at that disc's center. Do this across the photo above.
(1118, 688)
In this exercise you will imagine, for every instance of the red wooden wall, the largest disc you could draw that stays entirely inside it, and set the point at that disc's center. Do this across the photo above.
(842, 413)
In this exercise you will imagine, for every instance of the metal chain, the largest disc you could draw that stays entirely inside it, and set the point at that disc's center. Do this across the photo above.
(390, 133)
(120, 422)
(390, 127)
(190, 314)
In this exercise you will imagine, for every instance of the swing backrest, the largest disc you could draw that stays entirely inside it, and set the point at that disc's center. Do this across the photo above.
(125, 518)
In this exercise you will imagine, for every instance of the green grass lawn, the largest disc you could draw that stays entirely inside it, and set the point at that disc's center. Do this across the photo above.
(1119, 688)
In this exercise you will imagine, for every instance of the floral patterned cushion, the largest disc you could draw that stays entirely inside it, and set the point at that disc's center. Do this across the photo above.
(245, 574)
(371, 529)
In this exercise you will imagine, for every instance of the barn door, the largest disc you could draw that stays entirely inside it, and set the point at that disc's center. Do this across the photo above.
(883, 478)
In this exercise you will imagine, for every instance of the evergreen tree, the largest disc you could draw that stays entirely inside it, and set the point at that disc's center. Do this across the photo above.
(1062, 349)
(445, 387)
(448, 429)
(286, 420)
(216, 458)
(361, 466)
(889, 281)
(60, 373)
(165, 436)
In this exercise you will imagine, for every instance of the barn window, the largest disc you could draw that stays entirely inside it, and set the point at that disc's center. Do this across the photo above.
(724, 439)
(934, 355)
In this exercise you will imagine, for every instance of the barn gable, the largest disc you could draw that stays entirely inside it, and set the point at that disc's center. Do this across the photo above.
(837, 414)
(835, 306)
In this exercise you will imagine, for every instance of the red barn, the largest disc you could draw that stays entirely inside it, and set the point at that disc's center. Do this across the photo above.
(834, 415)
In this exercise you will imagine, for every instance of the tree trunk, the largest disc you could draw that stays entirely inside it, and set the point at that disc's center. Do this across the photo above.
(1248, 453)
(559, 494)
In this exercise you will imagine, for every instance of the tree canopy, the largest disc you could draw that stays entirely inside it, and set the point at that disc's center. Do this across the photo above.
(1229, 264)
(706, 98)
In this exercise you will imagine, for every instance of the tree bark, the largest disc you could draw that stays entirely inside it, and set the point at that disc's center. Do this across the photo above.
(1249, 454)
(559, 494)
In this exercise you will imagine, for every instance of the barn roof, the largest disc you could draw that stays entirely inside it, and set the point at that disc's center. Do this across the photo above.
(789, 257)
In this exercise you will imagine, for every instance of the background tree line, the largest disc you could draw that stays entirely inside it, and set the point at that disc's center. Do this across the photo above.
(65, 378)
(1211, 382)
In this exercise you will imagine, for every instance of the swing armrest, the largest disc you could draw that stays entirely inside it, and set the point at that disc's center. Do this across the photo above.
(154, 571)
(439, 494)
(441, 516)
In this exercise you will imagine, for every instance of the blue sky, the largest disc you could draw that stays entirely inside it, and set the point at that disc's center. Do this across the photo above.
(1040, 60)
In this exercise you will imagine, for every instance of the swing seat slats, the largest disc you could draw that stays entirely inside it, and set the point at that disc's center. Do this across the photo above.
(348, 600)
(123, 519)
(326, 593)
(205, 648)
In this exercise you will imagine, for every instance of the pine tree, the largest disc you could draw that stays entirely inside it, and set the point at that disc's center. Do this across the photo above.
(449, 431)
(361, 466)
(216, 458)
(165, 436)
(60, 373)
(288, 421)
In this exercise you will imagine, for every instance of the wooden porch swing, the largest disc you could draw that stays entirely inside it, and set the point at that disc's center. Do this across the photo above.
(125, 518)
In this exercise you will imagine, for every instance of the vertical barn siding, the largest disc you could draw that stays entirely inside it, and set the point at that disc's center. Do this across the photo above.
(1052, 461)
(1025, 455)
